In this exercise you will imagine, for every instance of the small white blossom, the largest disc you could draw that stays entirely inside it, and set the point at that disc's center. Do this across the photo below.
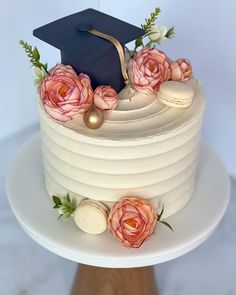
(38, 75)
(62, 210)
(157, 34)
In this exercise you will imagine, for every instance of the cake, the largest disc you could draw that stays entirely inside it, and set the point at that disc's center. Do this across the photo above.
(108, 147)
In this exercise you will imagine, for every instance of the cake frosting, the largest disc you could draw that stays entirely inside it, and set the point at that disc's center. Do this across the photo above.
(144, 148)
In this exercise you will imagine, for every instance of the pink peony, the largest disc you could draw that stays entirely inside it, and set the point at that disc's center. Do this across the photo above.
(65, 94)
(62, 70)
(132, 220)
(105, 98)
(181, 70)
(148, 69)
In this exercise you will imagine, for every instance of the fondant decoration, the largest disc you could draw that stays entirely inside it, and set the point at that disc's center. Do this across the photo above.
(65, 94)
(148, 69)
(91, 217)
(175, 94)
(132, 221)
(93, 118)
(87, 52)
(105, 98)
(181, 70)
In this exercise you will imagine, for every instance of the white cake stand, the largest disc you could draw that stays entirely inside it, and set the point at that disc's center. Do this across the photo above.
(192, 225)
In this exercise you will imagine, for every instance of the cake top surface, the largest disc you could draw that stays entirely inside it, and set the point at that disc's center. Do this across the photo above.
(141, 118)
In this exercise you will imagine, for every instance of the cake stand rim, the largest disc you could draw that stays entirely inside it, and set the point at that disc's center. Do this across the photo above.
(115, 261)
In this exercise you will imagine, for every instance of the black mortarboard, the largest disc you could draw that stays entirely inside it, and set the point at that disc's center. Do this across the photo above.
(89, 53)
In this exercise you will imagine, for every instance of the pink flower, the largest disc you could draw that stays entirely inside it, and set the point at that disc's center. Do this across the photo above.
(105, 98)
(181, 70)
(148, 69)
(132, 220)
(65, 94)
(61, 70)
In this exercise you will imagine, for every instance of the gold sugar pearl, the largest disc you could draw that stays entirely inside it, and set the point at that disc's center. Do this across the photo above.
(93, 118)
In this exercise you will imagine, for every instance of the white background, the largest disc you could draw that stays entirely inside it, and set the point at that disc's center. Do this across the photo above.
(205, 33)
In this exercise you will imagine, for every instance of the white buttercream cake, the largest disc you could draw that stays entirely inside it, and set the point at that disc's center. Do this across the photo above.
(144, 149)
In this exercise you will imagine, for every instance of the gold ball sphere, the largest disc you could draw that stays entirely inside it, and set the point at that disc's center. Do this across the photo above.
(93, 118)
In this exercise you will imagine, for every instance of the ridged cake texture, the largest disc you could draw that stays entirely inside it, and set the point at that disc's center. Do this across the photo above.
(143, 149)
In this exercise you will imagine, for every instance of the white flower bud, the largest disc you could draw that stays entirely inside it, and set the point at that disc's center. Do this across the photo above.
(157, 34)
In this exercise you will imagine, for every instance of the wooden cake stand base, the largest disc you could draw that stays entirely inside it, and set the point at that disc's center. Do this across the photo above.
(90, 280)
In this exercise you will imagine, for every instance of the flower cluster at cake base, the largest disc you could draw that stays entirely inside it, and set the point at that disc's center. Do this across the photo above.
(131, 220)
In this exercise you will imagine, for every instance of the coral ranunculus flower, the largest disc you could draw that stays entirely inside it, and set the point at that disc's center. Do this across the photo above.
(148, 69)
(181, 70)
(132, 220)
(65, 94)
(105, 97)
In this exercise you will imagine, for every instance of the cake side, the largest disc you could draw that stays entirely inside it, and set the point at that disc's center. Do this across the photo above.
(159, 166)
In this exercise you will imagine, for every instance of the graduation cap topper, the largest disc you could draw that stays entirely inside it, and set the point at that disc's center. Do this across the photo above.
(93, 43)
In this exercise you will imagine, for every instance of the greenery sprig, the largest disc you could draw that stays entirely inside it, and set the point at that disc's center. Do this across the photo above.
(66, 206)
(147, 27)
(159, 216)
(151, 20)
(34, 56)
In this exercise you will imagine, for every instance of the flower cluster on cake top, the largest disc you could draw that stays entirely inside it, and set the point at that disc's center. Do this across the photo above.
(66, 94)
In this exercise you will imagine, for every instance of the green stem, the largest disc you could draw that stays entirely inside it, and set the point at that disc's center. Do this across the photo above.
(127, 49)
(45, 69)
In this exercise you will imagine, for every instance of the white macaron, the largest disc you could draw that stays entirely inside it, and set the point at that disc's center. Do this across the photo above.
(91, 216)
(175, 94)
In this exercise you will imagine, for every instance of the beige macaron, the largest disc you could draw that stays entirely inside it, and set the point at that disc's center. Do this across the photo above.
(175, 94)
(91, 216)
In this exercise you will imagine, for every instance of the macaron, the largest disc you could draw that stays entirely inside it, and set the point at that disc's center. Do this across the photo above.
(91, 216)
(175, 94)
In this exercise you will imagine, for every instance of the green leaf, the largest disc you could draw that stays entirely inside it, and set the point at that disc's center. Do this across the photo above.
(163, 222)
(66, 203)
(170, 33)
(160, 215)
(36, 54)
(60, 216)
(68, 197)
(56, 200)
(166, 224)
